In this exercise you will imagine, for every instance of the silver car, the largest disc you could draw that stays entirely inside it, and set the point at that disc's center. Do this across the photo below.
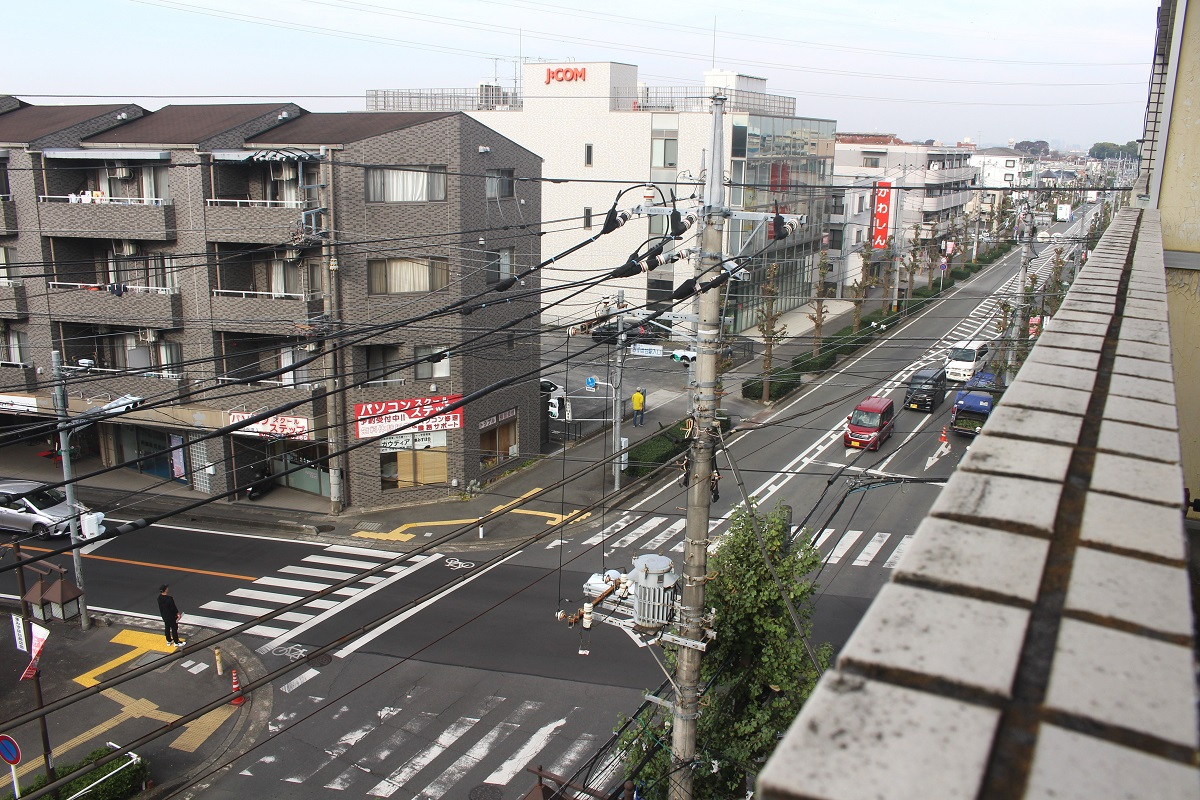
(36, 508)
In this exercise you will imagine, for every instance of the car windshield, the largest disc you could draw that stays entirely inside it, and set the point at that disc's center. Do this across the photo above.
(45, 498)
(865, 419)
(962, 354)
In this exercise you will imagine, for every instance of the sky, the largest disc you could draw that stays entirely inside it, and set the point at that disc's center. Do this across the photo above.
(1071, 72)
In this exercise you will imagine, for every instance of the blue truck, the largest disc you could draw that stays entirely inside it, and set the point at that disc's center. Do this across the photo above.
(974, 403)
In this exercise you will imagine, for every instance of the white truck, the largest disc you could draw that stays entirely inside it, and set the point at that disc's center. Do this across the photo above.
(1064, 212)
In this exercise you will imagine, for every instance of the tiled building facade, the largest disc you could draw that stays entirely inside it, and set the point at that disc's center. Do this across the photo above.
(227, 261)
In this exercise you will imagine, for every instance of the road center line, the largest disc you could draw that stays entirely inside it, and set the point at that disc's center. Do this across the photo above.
(154, 566)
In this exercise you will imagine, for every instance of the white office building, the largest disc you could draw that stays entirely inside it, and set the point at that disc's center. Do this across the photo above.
(601, 130)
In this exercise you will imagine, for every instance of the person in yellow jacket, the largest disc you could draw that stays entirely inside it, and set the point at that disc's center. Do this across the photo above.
(639, 407)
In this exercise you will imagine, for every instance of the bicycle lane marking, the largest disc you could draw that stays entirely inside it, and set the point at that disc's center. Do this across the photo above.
(323, 616)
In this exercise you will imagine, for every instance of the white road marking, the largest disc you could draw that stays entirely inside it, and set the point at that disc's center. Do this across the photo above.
(517, 761)
(619, 525)
(825, 534)
(843, 546)
(311, 572)
(872, 549)
(333, 561)
(253, 611)
(225, 624)
(896, 555)
(299, 680)
(638, 532)
(672, 529)
(270, 597)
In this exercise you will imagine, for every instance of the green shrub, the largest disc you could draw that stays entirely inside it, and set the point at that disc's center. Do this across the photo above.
(664, 446)
(959, 274)
(125, 784)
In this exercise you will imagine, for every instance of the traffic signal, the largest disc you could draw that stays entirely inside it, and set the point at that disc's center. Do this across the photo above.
(554, 406)
(684, 356)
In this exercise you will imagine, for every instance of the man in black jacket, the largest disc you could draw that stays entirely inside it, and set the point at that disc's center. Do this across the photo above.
(170, 615)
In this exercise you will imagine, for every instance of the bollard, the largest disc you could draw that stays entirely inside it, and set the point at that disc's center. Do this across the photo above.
(477, 519)
(217, 656)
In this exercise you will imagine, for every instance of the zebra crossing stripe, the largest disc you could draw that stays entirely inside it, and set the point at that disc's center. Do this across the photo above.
(871, 550)
(672, 529)
(825, 534)
(894, 558)
(517, 761)
(639, 532)
(619, 525)
(478, 751)
(843, 546)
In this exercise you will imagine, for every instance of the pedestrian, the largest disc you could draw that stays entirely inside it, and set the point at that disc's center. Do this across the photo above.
(712, 483)
(639, 407)
(170, 615)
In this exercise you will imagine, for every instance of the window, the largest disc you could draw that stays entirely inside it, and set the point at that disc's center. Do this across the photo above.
(14, 346)
(1010, 163)
(870, 161)
(6, 258)
(499, 183)
(587, 155)
(862, 203)
(498, 445)
(587, 218)
(383, 364)
(658, 293)
(664, 152)
(1008, 176)
(410, 460)
(401, 275)
(737, 177)
(153, 270)
(835, 239)
(858, 236)
(737, 147)
(406, 184)
(499, 265)
(432, 369)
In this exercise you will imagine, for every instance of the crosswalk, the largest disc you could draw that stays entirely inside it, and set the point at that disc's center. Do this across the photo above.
(320, 570)
(426, 747)
(650, 533)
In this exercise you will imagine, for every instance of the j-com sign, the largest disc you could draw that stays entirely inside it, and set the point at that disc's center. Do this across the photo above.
(565, 74)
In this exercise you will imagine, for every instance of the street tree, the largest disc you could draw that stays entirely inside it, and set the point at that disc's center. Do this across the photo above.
(911, 261)
(887, 270)
(769, 328)
(759, 669)
(817, 303)
(1054, 286)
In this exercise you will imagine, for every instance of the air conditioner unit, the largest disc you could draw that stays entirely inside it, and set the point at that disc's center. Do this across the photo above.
(125, 247)
(308, 348)
(147, 335)
(122, 173)
(283, 171)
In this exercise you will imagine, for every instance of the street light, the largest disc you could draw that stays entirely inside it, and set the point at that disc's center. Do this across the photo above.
(65, 430)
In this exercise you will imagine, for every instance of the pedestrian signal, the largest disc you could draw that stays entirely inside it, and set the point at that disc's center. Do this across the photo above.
(684, 356)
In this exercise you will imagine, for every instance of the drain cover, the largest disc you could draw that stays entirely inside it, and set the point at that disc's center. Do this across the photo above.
(321, 661)
(486, 792)
(325, 528)
(375, 527)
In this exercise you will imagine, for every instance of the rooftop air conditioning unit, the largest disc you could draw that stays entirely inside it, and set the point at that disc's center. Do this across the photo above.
(122, 173)
(147, 335)
(125, 247)
(283, 171)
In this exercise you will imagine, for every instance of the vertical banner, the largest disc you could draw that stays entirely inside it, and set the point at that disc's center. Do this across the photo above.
(19, 633)
(39, 641)
(882, 214)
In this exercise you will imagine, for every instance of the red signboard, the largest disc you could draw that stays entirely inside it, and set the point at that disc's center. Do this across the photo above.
(377, 419)
(882, 214)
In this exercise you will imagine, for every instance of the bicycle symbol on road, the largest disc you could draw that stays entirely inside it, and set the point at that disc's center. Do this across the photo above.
(454, 563)
(295, 652)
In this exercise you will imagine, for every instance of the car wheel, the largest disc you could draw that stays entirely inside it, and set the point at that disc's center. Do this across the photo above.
(40, 531)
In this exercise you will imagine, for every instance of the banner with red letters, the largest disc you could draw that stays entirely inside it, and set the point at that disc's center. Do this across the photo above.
(376, 419)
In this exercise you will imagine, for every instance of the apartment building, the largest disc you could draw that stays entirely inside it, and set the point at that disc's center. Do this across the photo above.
(601, 131)
(222, 261)
(932, 187)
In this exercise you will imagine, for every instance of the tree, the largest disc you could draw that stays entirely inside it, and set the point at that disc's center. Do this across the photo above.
(770, 329)
(759, 669)
(886, 254)
(1054, 288)
(911, 261)
(818, 303)
(1040, 147)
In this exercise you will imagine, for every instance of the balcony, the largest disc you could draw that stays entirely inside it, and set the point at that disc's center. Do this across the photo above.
(950, 200)
(12, 299)
(1036, 640)
(151, 306)
(932, 230)
(275, 393)
(156, 383)
(148, 218)
(8, 216)
(251, 221)
(951, 175)
(263, 312)
(15, 376)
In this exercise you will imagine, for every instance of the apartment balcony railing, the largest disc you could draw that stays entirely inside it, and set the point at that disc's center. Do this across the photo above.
(151, 306)
(102, 217)
(948, 200)
(244, 221)
(248, 311)
(225, 202)
(697, 98)
(13, 304)
(16, 376)
(1036, 640)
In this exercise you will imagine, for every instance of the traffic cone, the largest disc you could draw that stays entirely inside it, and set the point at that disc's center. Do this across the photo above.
(237, 690)
(942, 438)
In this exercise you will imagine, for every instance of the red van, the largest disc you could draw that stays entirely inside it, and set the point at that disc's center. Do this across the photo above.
(870, 424)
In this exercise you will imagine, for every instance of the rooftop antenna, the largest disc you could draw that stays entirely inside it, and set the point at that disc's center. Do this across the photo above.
(714, 52)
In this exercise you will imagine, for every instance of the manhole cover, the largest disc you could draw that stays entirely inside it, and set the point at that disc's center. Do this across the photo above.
(325, 528)
(486, 792)
(322, 660)
(369, 526)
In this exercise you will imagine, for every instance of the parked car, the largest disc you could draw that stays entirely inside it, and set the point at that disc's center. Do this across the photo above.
(870, 424)
(550, 387)
(37, 508)
(926, 389)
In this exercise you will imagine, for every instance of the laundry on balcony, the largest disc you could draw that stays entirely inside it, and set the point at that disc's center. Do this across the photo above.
(117, 288)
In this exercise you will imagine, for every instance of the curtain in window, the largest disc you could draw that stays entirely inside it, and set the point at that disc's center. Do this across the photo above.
(382, 361)
(437, 183)
(399, 275)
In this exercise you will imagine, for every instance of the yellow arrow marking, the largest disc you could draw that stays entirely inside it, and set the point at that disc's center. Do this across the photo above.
(400, 535)
(140, 642)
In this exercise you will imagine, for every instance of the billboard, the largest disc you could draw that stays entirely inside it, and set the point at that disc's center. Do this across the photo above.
(882, 214)
(377, 419)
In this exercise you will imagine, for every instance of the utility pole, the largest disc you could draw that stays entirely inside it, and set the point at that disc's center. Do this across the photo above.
(334, 406)
(695, 554)
(64, 448)
(27, 632)
(618, 403)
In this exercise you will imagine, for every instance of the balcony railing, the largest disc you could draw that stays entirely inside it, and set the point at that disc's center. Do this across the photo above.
(126, 288)
(8, 283)
(148, 372)
(263, 295)
(101, 199)
(233, 203)
(698, 98)
(482, 98)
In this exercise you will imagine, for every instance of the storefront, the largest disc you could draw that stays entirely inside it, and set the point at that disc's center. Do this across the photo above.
(498, 440)
(148, 449)
(282, 447)
(416, 453)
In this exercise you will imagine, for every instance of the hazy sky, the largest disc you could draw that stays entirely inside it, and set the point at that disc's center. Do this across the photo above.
(1068, 71)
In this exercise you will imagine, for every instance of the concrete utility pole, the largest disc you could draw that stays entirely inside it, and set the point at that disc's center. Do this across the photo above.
(618, 401)
(695, 554)
(335, 413)
(64, 447)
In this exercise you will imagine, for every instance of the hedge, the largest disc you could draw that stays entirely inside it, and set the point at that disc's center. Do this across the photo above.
(664, 446)
(127, 783)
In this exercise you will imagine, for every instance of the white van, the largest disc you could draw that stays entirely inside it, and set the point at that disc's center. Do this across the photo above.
(965, 359)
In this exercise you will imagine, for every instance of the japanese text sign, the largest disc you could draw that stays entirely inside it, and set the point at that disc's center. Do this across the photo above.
(376, 419)
(272, 427)
(882, 214)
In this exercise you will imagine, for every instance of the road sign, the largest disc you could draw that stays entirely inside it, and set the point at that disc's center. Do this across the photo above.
(590, 384)
(943, 264)
(652, 350)
(19, 633)
(10, 751)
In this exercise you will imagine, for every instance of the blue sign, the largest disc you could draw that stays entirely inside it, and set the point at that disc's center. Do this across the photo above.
(590, 383)
(9, 751)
